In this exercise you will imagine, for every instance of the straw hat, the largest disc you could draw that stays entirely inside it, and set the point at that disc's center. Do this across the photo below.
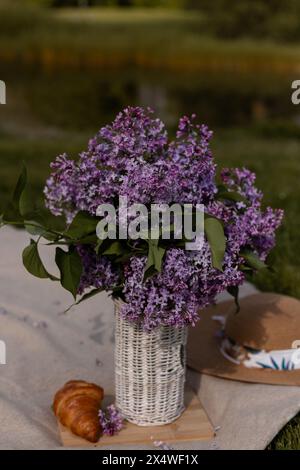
(258, 344)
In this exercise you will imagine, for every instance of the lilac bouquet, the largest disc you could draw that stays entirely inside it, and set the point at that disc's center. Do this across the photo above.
(133, 157)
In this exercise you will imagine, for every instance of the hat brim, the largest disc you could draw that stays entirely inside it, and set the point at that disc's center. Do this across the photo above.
(203, 354)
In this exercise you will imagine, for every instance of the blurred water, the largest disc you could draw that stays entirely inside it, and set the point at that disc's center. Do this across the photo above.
(82, 100)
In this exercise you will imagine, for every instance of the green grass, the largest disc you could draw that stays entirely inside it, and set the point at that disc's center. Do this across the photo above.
(289, 437)
(127, 16)
(152, 38)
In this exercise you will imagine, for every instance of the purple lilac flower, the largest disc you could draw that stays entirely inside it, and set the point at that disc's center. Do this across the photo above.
(60, 190)
(98, 272)
(186, 284)
(191, 167)
(133, 157)
(127, 147)
(111, 420)
(251, 227)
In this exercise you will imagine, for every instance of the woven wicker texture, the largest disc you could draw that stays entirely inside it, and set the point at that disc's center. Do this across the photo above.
(149, 372)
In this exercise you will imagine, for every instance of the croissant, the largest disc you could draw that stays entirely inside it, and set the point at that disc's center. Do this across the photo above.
(76, 405)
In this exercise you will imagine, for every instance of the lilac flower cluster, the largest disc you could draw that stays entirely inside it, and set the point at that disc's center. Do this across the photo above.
(111, 420)
(173, 297)
(249, 226)
(133, 157)
(98, 272)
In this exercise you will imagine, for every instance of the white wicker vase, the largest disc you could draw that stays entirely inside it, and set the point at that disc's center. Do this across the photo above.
(149, 372)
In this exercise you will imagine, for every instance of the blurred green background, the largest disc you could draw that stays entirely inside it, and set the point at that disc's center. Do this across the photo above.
(71, 65)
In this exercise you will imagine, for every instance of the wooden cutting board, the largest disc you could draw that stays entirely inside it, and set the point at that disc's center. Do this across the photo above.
(193, 425)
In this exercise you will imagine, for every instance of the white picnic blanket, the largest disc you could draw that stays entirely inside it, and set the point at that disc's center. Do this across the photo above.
(46, 348)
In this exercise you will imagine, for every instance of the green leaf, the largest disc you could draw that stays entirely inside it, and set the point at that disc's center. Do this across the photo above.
(253, 260)
(98, 246)
(88, 240)
(234, 291)
(153, 241)
(245, 269)
(117, 292)
(82, 225)
(26, 203)
(12, 211)
(36, 227)
(155, 255)
(115, 248)
(155, 258)
(70, 267)
(20, 186)
(33, 227)
(216, 238)
(33, 262)
(12, 214)
(149, 272)
(120, 252)
(231, 196)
